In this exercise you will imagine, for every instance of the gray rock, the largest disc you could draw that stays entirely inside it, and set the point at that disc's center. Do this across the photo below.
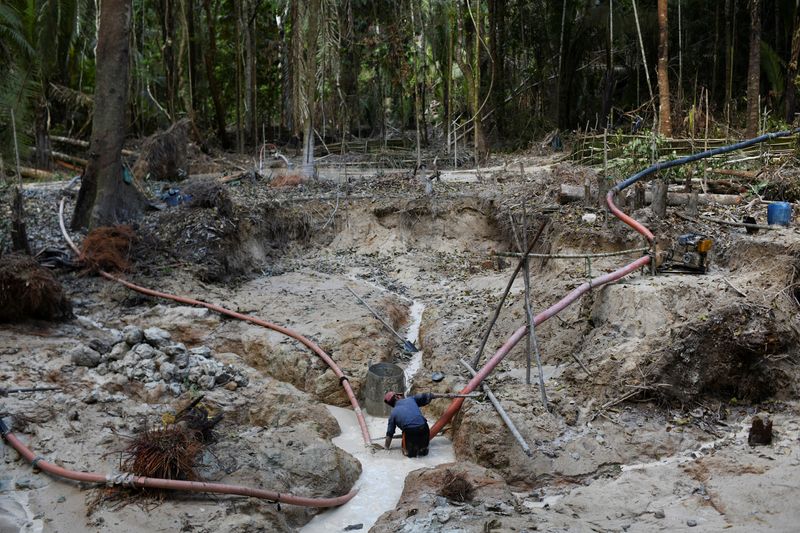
(102, 369)
(82, 355)
(181, 360)
(100, 346)
(175, 349)
(659, 513)
(691, 523)
(118, 351)
(144, 370)
(167, 370)
(30, 483)
(143, 351)
(132, 335)
(6, 483)
(206, 382)
(202, 351)
(175, 389)
(157, 337)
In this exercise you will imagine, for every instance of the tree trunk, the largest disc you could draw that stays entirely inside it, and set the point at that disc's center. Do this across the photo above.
(791, 70)
(664, 114)
(307, 33)
(608, 79)
(43, 150)
(754, 69)
(213, 84)
(106, 197)
(497, 40)
(167, 16)
(479, 139)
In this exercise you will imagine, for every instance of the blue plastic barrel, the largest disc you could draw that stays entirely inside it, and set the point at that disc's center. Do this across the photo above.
(779, 213)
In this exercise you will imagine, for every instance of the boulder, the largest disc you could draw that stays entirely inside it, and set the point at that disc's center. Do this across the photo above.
(82, 355)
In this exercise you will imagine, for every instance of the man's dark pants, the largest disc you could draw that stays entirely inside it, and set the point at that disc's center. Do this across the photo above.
(416, 440)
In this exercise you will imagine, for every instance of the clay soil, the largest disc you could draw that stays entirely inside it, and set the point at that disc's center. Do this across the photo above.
(653, 437)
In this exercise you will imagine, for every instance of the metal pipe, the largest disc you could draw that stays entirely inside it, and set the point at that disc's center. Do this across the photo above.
(131, 480)
(247, 318)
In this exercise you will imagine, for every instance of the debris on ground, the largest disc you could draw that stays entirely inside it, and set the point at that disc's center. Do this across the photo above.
(28, 290)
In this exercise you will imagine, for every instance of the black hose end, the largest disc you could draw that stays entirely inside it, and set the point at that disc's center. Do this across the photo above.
(4, 429)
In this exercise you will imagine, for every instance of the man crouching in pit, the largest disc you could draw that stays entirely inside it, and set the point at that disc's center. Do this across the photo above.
(407, 416)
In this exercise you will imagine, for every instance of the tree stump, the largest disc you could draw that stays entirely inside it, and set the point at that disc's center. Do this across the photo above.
(659, 204)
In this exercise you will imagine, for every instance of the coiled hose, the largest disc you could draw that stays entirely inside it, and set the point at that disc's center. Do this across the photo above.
(553, 310)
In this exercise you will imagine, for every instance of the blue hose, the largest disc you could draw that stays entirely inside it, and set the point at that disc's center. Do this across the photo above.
(702, 155)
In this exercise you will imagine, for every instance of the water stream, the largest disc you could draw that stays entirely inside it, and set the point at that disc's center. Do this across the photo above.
(382, 478)
(413, 366)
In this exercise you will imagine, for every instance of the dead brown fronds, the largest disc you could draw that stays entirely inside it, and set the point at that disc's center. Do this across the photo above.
(171, 452)
(107, 248)
(456, 487)
(287, 180)
(210, 194)
(28, 290)
(397, 313)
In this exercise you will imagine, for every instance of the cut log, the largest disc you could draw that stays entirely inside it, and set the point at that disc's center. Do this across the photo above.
(68, 158)
(573, 193)
(85, 144)
(744, 174)
(36, 174)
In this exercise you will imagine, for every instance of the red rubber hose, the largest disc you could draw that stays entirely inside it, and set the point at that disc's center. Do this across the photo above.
(550, 312)
(314, 347)
(171, 484)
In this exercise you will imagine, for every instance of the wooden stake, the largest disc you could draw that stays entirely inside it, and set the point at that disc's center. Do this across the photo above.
(500, 411)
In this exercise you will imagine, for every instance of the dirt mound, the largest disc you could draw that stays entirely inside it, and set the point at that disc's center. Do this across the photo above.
(28, 290)
(423, 508)
(209, 193)
(738, 351)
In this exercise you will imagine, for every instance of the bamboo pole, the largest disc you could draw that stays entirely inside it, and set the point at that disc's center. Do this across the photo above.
(500, 411)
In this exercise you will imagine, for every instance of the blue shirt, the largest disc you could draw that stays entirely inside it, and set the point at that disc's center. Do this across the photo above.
(406, 413)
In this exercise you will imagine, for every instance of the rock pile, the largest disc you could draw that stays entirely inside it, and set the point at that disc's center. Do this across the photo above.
(152, 358)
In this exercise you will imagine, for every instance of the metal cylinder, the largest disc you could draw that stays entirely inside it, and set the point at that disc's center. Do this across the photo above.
(382, 378)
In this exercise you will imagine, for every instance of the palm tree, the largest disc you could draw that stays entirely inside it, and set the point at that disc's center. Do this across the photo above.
(42, 34)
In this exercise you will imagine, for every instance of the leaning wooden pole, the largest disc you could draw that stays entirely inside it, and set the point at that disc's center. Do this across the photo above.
(502, 412)
(499, 307)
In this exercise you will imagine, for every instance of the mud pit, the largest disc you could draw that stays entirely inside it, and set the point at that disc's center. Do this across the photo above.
(653, 438)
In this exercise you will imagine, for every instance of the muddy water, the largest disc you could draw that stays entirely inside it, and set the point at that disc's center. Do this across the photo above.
(383, 474)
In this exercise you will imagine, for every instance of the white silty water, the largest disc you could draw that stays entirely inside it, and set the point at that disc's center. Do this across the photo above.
(412, 336)
(382, 477)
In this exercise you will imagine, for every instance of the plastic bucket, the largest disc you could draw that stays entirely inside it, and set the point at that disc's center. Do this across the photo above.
(779, 213)
(382, 378)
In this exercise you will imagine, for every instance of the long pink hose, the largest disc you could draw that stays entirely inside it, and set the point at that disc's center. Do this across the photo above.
(194, 486)
(171, 484)
(314, 347)
(550, 312)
